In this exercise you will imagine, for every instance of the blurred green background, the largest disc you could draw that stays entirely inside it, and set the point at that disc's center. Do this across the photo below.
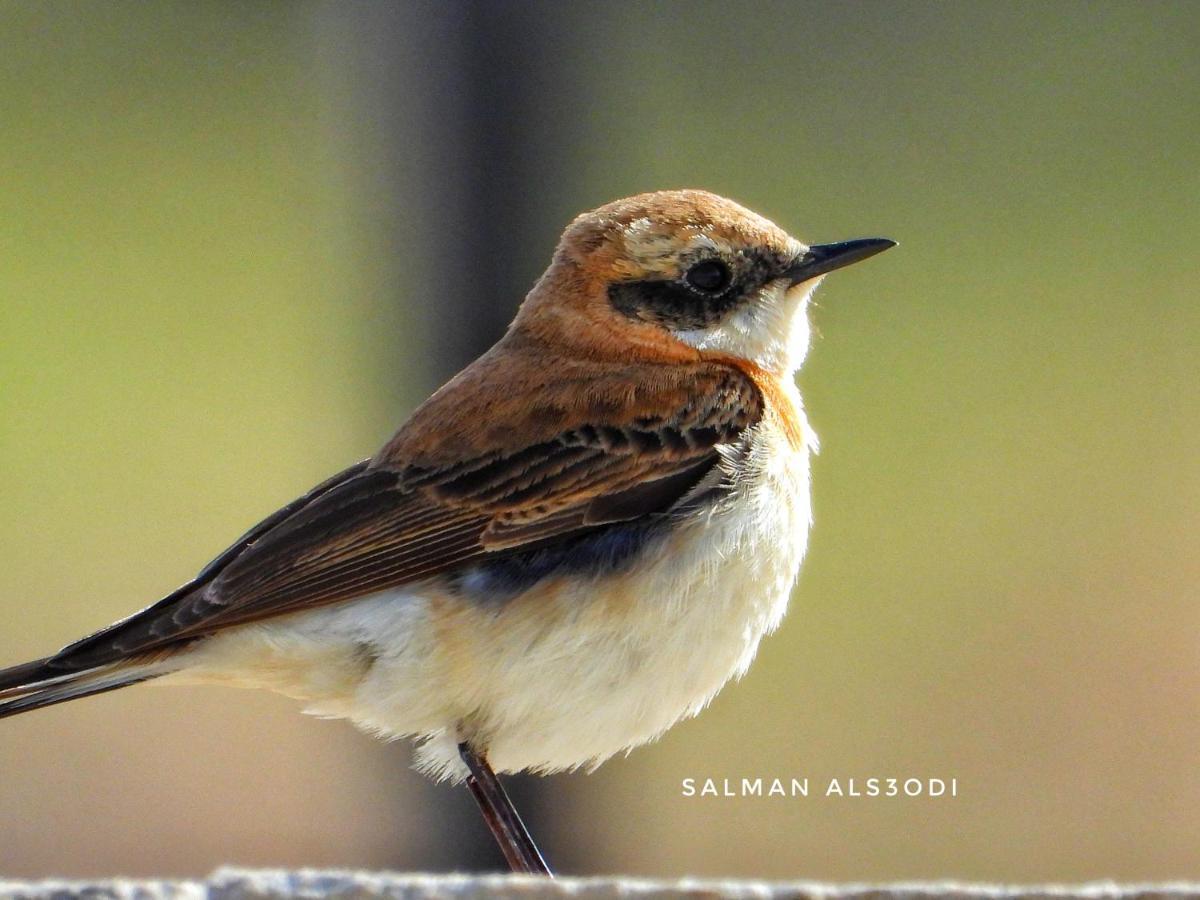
(239, 242)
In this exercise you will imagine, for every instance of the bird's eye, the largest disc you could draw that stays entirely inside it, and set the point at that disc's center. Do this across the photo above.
(709, 276)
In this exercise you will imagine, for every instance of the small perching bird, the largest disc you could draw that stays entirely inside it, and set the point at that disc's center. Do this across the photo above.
(568, 548)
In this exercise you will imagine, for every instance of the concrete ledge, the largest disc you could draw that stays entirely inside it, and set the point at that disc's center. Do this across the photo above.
(237, 884)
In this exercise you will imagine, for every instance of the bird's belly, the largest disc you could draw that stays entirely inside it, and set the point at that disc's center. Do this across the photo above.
(579, 668)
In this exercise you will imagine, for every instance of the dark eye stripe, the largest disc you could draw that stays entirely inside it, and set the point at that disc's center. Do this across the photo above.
(671, 304)
(681, 305)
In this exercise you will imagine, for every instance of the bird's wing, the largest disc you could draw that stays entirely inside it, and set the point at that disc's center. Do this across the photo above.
(415, 512)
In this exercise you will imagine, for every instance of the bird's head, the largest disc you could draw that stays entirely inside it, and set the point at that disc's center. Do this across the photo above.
(675, 272)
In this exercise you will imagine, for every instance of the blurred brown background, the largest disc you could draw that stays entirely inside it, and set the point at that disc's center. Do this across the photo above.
(239, 242)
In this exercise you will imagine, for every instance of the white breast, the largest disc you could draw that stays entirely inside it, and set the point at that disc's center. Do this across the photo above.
(574, 670)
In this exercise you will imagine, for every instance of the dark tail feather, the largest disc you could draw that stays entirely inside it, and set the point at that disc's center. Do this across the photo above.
(27, 673)
(35, 685)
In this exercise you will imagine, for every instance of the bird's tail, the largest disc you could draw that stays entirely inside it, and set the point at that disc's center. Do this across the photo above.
(37, 684)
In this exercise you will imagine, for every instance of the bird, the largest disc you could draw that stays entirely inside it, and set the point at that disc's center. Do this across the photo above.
(572, 545)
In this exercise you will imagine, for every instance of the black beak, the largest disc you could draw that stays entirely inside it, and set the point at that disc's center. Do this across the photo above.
(822, 258)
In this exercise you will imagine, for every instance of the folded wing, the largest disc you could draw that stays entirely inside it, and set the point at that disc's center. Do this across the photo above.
(416, 511)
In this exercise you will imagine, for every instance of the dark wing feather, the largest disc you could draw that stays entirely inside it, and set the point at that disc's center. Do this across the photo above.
(73, 657)
(392, 523)
(363, 535)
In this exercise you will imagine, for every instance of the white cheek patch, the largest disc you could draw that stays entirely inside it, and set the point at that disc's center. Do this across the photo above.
(771, 330)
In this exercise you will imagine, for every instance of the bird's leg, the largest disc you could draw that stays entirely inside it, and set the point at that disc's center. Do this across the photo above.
(501, 816)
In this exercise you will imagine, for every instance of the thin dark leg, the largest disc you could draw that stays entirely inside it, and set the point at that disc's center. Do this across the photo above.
(501, 816)
(497, 827)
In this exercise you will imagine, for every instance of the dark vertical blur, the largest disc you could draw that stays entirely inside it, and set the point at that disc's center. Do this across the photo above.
(502, 169)
(486, 152)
